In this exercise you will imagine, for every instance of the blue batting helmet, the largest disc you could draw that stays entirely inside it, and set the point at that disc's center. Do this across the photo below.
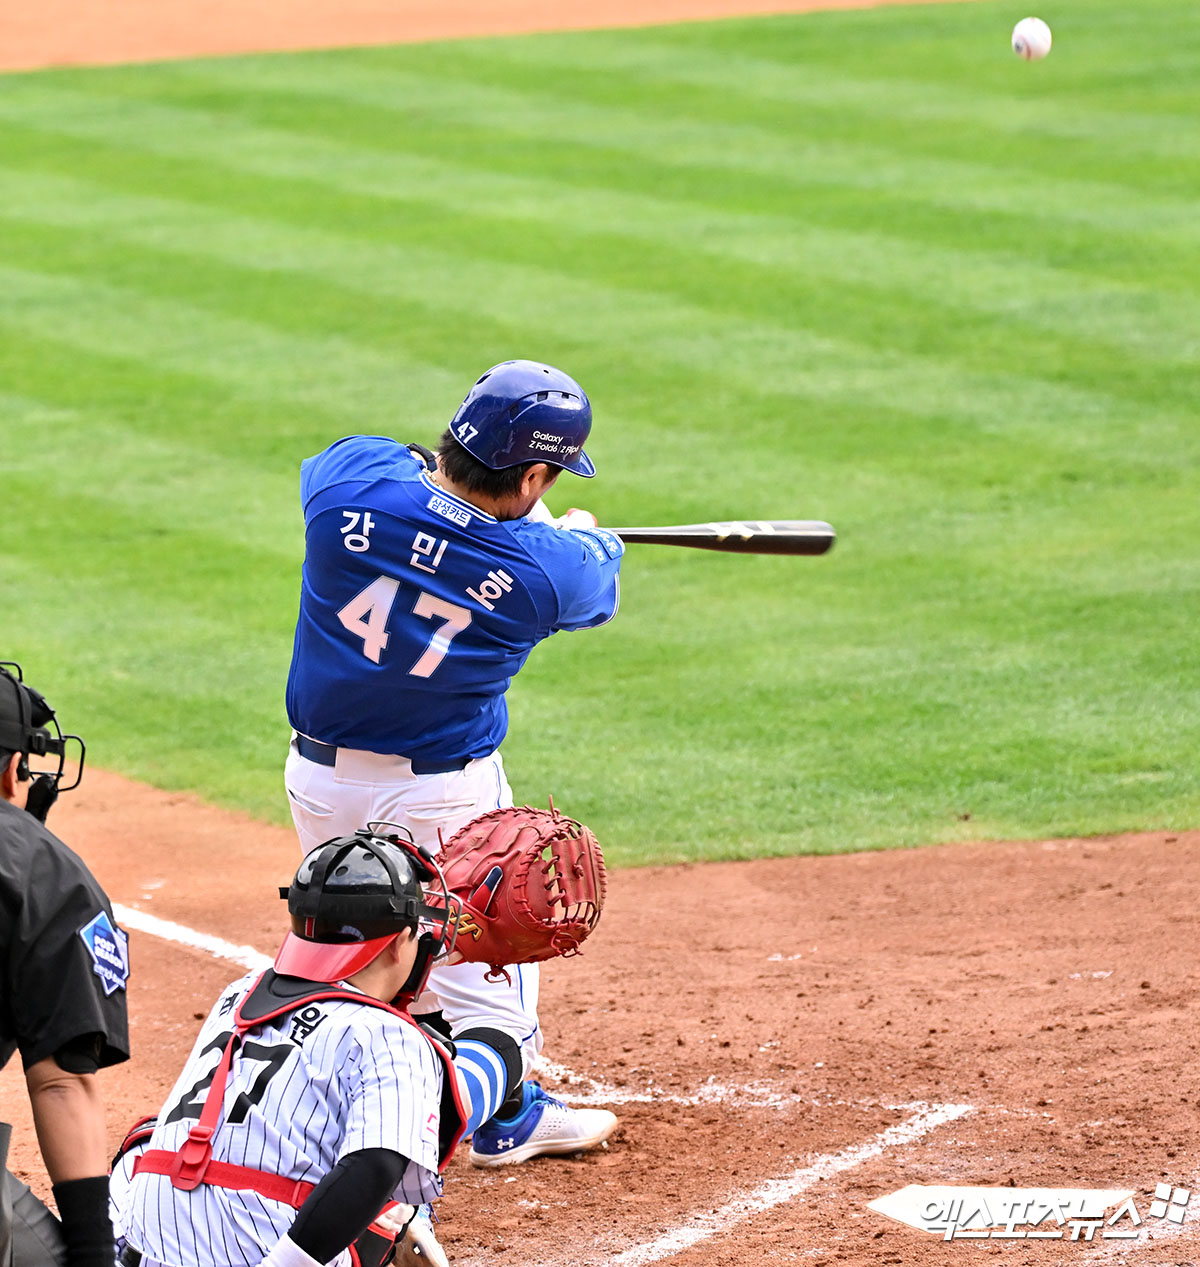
(524, 411)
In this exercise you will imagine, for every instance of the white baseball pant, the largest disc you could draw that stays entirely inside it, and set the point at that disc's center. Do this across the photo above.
(363, 787)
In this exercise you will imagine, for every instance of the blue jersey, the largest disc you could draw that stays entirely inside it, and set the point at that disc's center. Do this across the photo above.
(417, 608)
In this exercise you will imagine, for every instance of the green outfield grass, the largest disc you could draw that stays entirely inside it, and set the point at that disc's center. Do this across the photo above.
(865, 267)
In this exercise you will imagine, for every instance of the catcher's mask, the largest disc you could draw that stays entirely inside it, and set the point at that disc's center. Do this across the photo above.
(524, 411)
(29, 727)
(353, 895)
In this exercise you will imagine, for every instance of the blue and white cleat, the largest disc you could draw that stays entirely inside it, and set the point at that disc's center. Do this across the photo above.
(543, 1126)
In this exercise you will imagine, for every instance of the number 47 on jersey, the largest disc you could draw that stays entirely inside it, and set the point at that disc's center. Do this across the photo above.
(366, 617)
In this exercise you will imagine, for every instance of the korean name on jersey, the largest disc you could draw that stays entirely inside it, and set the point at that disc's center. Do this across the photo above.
(417, 608)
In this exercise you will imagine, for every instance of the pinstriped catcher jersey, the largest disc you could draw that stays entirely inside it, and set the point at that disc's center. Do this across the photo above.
(417, 608)
(305, 1090)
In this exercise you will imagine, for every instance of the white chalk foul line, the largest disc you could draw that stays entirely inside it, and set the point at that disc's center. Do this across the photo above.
(597, 1092)
(584, 1091)
(777, 1191)
(765, 1197)
(247, 956)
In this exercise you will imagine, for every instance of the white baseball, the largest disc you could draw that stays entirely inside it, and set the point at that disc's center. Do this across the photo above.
(1031, 39)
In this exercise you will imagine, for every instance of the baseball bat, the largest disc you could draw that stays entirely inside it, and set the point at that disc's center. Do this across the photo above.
(754, 536)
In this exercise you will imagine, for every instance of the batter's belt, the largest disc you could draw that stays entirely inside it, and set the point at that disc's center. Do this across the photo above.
(326, 754)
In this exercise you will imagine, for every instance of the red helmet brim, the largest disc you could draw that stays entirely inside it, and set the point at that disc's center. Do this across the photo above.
(327, 961)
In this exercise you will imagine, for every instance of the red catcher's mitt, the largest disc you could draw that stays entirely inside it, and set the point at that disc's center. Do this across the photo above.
(531, 882)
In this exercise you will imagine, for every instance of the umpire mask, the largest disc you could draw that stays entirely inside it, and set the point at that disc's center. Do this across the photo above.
(29, 727)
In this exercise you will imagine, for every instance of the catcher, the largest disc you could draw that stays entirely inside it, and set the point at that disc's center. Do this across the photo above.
(314, 1116)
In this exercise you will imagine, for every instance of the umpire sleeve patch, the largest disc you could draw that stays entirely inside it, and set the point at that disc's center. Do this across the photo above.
(108, 946)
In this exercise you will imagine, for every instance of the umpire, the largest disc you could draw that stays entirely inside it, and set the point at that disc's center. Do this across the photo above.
(63, 970)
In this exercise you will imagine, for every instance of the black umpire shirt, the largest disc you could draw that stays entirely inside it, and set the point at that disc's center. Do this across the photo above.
(63, 960)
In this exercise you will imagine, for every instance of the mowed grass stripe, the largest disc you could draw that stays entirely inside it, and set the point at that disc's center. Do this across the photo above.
(976, 342)
(1061, 751)
(1141, 56)
(458, 218)
(722, 97)
(251, 507)
(1057, 405)
(261, 435)
(343, 377)
(722, 79)
(884, 271)
(152, 318)
(154, 632)
(911, 691)
(159, 581)
(198, 577)
(747, 167)
(346, 376)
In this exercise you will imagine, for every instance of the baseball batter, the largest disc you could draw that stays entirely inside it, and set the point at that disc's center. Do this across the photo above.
(426, 583)
(309, 1102)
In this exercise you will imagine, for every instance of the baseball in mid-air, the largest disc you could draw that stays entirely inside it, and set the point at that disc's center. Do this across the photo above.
(1031, 39)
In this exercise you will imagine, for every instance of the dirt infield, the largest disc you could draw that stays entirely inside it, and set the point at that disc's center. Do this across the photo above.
(751, 1022)
(72, 32)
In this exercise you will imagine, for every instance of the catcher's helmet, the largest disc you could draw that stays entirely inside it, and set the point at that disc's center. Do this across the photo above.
(524, 411)
(352, 896)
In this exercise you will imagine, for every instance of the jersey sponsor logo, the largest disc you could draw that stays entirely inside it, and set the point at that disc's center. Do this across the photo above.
(602, 543)
(594, 546)
(108, 946)
(495, 585)
(449, 510)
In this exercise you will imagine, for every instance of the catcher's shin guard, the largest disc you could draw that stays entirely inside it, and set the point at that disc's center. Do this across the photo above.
(489, 1064)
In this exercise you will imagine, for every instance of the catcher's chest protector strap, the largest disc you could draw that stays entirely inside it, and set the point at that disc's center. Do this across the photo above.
(193, 1163)
(272, 996)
